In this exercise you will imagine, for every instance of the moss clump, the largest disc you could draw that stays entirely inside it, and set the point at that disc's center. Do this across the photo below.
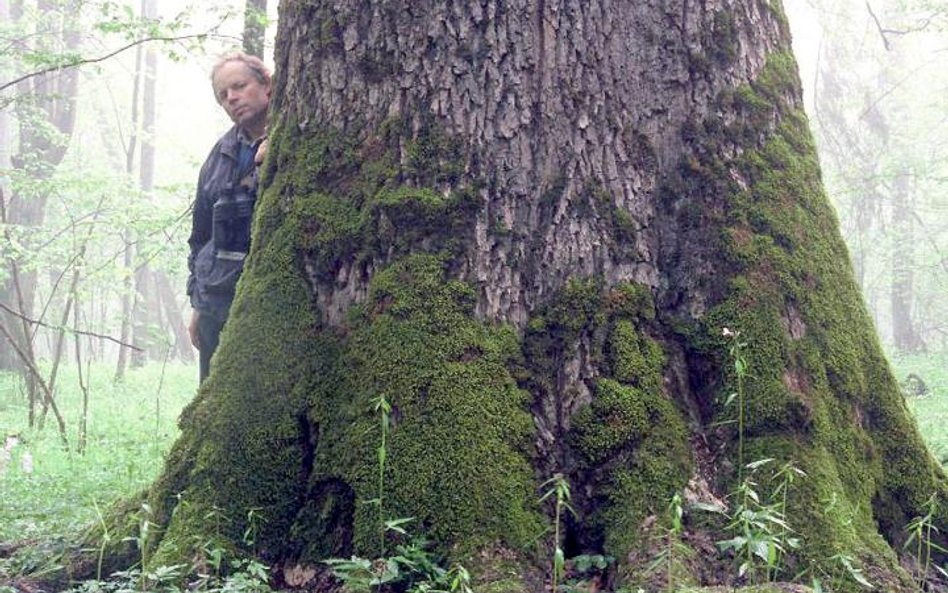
(628, 446)
(618, 417)
(634, 358)
(634, 445)
(379, 196)
(460, 426)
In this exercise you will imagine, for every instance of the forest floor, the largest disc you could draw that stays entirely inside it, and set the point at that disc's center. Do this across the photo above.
(48, 491)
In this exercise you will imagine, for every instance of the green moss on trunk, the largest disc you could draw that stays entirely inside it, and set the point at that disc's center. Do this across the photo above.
(818, 390)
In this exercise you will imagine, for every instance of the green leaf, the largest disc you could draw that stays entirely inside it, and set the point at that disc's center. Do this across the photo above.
(735, 543)
(395, 524)
(759, 463)
(559, 563)
(707, 506)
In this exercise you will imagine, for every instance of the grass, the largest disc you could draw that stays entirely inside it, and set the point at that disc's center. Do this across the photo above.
(931, 409)
(131, 426)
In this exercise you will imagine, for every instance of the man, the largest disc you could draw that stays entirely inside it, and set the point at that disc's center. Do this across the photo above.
(226, 193)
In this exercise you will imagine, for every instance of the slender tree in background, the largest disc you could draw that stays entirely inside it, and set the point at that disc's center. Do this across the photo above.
(154, 315)
(255, 19)
(146, 312)
(131, 158)
(535, 227)
(902, 297)
(5, 140)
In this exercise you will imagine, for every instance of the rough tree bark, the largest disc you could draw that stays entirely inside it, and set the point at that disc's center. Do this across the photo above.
(526, 224)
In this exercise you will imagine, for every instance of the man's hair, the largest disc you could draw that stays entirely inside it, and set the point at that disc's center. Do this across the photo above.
(253, 63)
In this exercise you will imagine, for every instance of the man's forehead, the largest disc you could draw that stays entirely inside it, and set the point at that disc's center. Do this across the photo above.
(233, 71)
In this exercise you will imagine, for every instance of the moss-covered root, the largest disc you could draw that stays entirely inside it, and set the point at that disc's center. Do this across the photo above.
(625, 448)
(245, 453)
(817, 389)
(457, 451)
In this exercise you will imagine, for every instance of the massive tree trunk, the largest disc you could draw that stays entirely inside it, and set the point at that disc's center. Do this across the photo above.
(526, 224)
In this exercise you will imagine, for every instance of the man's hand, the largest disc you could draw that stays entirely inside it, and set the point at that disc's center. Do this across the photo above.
(261, 152)
(193, 330)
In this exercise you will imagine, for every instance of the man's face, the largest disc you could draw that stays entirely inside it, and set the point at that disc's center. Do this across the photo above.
(242, 96)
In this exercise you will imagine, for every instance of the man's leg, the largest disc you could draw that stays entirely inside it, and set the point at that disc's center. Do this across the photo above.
(209, 330)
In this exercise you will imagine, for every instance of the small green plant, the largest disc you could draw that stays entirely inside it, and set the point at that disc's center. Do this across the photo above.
(673, 549)
(739, 362)
(412, 568)
(581, 568)
(785, 476)
(920, 530)
(384, 409)
(161, 579)
(762, 533)
(558, 489)
(842, 567)
(106, 540)
(254, 521)
(141, 540)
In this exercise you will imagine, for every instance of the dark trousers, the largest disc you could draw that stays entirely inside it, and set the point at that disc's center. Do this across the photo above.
(209, 333)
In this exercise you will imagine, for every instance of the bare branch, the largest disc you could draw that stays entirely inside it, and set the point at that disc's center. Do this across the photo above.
(882, 31)
(27, 360)
(102, 58)
(15, 313)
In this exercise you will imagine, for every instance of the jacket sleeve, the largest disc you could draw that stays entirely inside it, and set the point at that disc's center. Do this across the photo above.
(201, 225)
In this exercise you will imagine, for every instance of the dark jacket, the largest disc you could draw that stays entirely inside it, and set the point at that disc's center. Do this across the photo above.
(228, 171)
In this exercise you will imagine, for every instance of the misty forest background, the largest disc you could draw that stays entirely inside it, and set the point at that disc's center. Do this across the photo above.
(98, 162)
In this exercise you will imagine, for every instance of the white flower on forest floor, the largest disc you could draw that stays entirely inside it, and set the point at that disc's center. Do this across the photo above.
(26, 463)
(6, 453)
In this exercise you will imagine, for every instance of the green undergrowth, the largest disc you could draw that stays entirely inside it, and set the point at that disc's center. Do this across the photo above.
(929, 405)
(131, 426)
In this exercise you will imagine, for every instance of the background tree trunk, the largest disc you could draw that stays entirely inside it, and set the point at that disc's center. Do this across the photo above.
(46, 117)
(902, 294)
(146, 315)
(526, 224)
(129, 295)
(255, 17)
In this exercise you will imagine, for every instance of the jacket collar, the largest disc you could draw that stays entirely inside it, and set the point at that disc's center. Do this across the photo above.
(231, 141)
